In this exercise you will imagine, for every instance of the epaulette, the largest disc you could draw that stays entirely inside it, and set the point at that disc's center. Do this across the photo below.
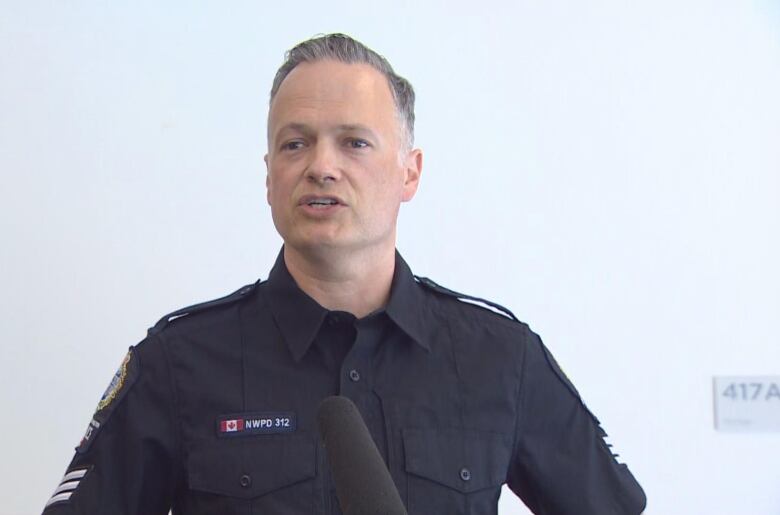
(196, 308)
(429, 283)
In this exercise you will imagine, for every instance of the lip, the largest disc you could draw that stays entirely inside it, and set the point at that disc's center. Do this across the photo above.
(304, 200)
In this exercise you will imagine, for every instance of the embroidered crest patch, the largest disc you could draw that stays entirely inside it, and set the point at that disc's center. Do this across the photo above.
(565, 380)
(123, 379)
(116, 383)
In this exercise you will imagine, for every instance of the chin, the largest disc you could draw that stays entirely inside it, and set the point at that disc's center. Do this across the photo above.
(314, 242)
(318, 243)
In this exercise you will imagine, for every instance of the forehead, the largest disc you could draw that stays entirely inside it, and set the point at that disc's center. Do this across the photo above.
(328, 91)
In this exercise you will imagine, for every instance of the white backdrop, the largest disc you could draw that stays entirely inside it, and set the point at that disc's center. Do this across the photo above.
(608, 170)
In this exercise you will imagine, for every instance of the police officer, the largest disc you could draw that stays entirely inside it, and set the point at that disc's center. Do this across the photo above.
(214, 411)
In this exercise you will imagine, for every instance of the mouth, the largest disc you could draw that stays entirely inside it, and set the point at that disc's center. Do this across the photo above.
(320, 201)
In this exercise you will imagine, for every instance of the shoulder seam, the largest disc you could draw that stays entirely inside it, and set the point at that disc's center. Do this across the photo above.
(469, 299)
(202, 306)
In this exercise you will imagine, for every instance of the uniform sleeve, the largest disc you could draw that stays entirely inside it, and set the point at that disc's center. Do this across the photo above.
(126, 462)
(561, 464)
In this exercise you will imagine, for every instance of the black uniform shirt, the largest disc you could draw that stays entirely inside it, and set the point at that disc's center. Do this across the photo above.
(214, 412)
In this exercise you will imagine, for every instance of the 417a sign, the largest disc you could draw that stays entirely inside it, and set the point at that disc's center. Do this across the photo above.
(747, 403)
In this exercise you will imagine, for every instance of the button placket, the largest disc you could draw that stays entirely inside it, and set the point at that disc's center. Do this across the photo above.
(357, 362)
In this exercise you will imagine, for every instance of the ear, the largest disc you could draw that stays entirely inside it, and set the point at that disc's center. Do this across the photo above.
(412, 171)
(267, 181)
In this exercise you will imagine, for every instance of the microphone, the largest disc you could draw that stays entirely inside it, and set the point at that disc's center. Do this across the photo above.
(363, 483)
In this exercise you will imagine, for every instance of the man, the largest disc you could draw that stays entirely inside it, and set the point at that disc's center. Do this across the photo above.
(214, 412)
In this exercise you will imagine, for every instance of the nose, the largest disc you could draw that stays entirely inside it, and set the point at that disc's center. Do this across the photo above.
(324, 165)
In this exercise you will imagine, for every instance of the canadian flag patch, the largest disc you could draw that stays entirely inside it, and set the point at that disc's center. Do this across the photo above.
(231, 426)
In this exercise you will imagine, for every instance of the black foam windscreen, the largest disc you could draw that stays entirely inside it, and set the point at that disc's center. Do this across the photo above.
(363, 483)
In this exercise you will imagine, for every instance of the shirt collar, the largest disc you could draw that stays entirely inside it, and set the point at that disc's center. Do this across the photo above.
(407, 303)
(299, 317)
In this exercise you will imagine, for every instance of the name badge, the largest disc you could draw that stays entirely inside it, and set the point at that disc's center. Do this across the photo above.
(262, 423)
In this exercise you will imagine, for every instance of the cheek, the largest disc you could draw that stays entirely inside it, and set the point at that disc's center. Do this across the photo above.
(393, 184)
(390, 175)
(271, 190)
(387, 196)
(278, 186)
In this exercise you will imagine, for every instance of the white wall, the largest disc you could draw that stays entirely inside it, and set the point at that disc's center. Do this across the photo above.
(609, 170)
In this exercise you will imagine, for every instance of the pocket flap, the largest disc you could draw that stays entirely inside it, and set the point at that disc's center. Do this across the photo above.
(464, 460)
(251, 468)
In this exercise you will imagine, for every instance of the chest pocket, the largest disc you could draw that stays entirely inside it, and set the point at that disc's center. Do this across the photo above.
(263, 474)
(455, 471)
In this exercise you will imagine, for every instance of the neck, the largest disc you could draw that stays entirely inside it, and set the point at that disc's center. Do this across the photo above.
(355, 282)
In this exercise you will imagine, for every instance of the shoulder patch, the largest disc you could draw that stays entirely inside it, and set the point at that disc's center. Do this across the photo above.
(196, 308)
(492, 306)
(558, 371)
(120, 384)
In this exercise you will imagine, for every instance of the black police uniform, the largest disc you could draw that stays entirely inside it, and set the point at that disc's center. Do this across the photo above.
(214, 412)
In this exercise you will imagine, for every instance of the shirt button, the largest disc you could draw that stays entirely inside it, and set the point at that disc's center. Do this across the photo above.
(465, 474)
(333, 320)
(246, 480)
(354, 375)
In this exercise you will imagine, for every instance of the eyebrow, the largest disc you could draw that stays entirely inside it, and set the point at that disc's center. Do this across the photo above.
(344, 127)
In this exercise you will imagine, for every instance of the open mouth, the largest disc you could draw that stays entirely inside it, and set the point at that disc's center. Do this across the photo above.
(320, 202)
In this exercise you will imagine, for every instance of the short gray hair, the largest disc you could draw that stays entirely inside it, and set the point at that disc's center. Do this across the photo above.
(345, 49)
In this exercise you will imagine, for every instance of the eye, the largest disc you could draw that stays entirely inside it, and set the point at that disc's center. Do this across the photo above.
(292, 145)
(357, 143)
